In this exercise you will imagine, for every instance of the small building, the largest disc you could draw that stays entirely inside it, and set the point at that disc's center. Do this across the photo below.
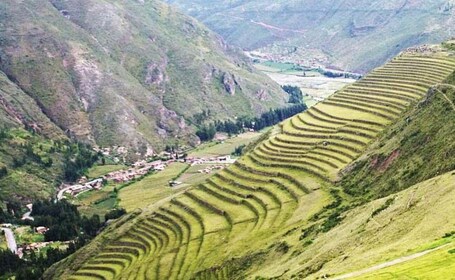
(41, 230)
(174, 183)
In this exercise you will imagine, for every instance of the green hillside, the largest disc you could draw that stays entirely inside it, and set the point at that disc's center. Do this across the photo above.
(126, 73)
(280, 211)
(348, 34)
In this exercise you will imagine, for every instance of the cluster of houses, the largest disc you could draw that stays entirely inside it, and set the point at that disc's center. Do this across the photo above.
(213, 160)
(210, 168)
(137, 170)
(81, 187)
(420, 49)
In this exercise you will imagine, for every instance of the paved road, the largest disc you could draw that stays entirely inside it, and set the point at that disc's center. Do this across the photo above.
(12, 245)
(27, 216)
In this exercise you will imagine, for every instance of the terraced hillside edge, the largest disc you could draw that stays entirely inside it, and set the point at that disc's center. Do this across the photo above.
(285, 182)
(137, 81)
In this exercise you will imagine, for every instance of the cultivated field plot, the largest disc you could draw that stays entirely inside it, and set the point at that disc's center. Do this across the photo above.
(317, 86)
(253, 200)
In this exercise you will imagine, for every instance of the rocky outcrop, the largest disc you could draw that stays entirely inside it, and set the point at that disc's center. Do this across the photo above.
(262, 94)
(156, 73)
(229, 83)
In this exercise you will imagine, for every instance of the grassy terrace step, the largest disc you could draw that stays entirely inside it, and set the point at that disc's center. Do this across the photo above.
(410, 94)
(213, 219)
(82, 274)
(259, 202)
(271, 185)
(268, 199)
(422, 86)
(359, 139)
(296, 124)
(359, 117)
(398, 102)
(430, 73)
(420, 64)
(301, 123)
(384, 101)
(359, 109)
(188, 217)
(421, 69)
(315, 142)
(126, 259)
(425, 73)
(416, 72)
(282, 177)
(289, 152)
(429, 62)
(152, 239)
(332, 146)
(165, 227)
(411, 79)
(386, 93)
(278, 189)
(322, 162)
(231, 204)
(257, 209)
(418, 90)
(305, 118)
(308, 120)
(307, 168)
(175, 226)
(371, 105)
(164, 235)
(307, 157)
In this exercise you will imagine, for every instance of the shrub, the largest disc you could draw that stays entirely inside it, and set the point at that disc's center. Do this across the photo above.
(383, 207)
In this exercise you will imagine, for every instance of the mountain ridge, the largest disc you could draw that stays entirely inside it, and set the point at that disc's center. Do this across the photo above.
(131, 83)
(339, 34)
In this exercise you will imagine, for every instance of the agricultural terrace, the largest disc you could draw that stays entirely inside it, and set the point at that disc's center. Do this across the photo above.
(282, 181)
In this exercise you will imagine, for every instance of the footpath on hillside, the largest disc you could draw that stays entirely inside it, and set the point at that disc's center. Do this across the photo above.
(388, 264)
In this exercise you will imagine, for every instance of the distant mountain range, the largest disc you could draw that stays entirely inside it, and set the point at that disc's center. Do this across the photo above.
(346, 34)
(127, 73)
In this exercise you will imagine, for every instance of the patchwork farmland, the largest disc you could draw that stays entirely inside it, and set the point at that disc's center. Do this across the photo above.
(285, 179)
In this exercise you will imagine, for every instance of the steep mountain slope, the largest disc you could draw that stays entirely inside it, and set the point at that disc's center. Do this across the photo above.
(259, 216)
(24, 130)
(353, 35)
(129, 73)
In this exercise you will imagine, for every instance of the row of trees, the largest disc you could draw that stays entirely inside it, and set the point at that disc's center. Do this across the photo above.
(272, 117)
(295, 94)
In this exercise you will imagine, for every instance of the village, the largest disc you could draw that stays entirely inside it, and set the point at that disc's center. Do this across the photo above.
(204, 163)
(140, 169)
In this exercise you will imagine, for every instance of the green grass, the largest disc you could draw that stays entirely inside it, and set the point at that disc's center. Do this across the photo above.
(439, 264)
(26, 235)
(151, 189)
(100, 170)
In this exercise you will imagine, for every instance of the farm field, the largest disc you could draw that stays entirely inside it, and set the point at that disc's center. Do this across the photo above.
(226, 147)
(286, 182)
(152, 188)
(100, 170)
(100, 202)
(315, 85)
